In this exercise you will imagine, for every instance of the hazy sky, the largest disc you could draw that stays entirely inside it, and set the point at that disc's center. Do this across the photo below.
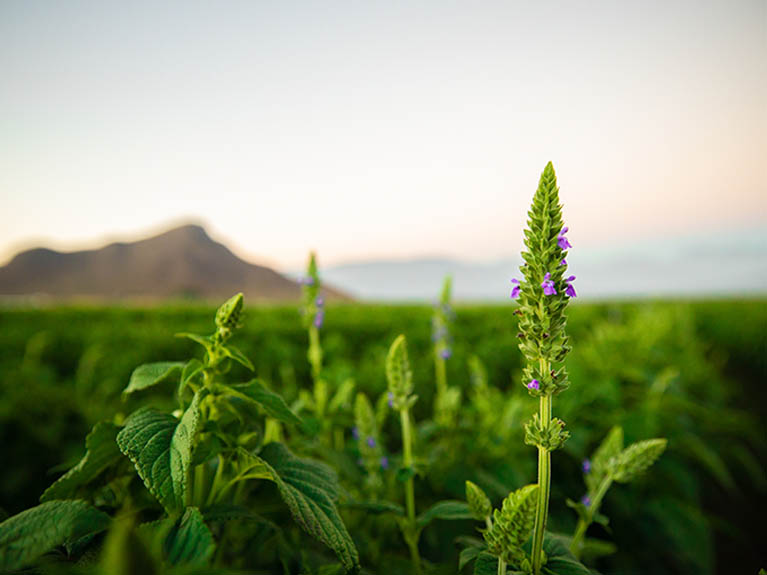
(372, 129)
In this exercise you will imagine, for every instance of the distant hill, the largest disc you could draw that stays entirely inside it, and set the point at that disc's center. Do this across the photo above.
(181, 263)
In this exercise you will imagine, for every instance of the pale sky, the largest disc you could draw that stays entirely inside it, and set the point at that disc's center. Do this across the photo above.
(379, 129)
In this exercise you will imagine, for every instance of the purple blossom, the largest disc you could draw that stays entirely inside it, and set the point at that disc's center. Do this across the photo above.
(320, 301)
(562, 240)
(548, 285)
(586, 500)
(570, 290)
(563, 262)
(535, 384)
(391, 399)
(319, 318)
(384, 462)
(445, 353)
(371, 441)
(355, 432)
(586, 466)
(515, 289)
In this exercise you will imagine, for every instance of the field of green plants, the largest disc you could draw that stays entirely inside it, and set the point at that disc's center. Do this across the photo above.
(500, 440)
(690, 372)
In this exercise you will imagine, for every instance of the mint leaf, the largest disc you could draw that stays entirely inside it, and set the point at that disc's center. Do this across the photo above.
(151, 374)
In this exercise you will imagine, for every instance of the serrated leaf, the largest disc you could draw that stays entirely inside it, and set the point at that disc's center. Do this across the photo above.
(478, 501)
(635, 459)
(151, 374)
(444, 510)
(309, 489)
(513, 524)
(233, 353)
(272, 403)
(611, 446)
(31, 533)
(160, 447)
(101, 452)
(189, 542)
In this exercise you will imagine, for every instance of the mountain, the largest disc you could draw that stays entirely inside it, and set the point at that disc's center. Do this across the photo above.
(716, 264)
(183, 262)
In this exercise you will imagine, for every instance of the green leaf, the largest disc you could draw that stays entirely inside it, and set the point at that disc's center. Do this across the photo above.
(479, 502)
(565, 566)
(272, 403)
(31, 533)
(191, 369)
(160, 447)
(486, 564)
(611, 446)
(444, 510)
(204, 340)
(151, 374)
(310, 489)
(101, 452)
(635, 459)
(190, 542)
(233, 353)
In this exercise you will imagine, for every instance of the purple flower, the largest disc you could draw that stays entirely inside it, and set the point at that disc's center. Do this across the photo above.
(445, 353)
(586, 500)
(562, 240)
(548, 285)
(535, 384)
(570, 290)
(385, 462)
(391, 399)
(319, 318)
(371, 441)
(320, 301)
(563, 262)
(586, 466)
(355, 432)
(515, 289)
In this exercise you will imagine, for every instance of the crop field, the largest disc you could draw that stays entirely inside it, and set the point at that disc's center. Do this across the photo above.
(690, 372)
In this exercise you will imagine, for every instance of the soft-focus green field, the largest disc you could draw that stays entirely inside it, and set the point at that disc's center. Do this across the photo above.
(692, 372)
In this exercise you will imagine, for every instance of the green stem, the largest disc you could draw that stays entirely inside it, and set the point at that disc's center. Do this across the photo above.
(216, 480)
(501, 567)
(544, 484)
(315, 353)
(576, 546)
(407, 450)
(440, 374)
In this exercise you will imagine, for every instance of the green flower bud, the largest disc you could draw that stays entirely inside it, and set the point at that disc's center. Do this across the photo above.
(479, 502)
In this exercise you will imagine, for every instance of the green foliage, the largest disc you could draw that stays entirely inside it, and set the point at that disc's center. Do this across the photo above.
(31, 533)
(635, 459)
(272, 403)
(160, 447)
(444, 510)
(152, 374)
(399, 374)
(479, 502)
(101, 453)
(310, 489)
(512, 525)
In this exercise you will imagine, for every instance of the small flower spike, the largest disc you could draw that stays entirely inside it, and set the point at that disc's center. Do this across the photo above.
(586, 466)
(548, 285)
(515, 289)
(535, 384)
(562, 240)
(371, 442)
(319, 318)
(391, 399)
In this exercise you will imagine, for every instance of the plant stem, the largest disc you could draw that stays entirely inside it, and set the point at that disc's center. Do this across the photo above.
(407, 450)
(544, 484)
(501, 567)
(440, 374)
(576, 546)
(315, 353)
